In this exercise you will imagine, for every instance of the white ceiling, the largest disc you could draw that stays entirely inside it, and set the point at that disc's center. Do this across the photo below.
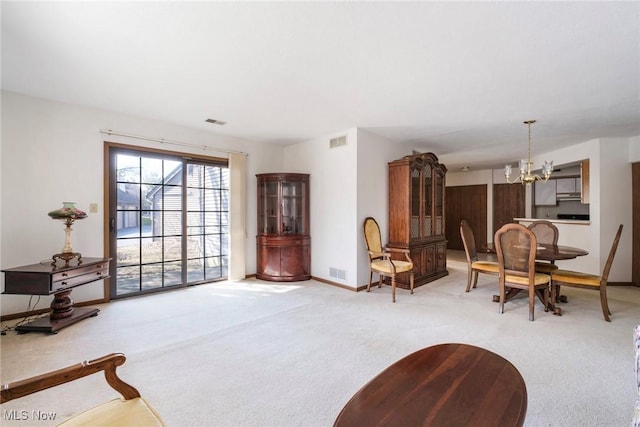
(454, 78)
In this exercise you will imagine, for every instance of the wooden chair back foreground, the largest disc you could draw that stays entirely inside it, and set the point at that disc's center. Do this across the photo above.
(474, 265)
(444, 385)
(516, 249)
(380, 258)
(131, 409)
(590, 281)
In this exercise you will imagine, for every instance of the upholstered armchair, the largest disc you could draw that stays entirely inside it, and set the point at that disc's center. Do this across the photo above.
(380, 258)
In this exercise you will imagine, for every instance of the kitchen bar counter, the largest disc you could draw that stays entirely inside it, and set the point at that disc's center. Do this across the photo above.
(555, 221)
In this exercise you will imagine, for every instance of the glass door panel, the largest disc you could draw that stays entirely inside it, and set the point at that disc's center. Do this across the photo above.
(428, 208)
(439, 193)
(415, 204)
(291, 207)
(207, 222)
(268, 208)
(169, 221)
(146, 189)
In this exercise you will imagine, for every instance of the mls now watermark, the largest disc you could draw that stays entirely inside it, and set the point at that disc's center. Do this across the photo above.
(24, 415)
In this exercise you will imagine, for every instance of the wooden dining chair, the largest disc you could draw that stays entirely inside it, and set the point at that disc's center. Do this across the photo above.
(590, 281)
(380, 258)
(130, 410)
(516, 249)
(474, 265)
(547, 233)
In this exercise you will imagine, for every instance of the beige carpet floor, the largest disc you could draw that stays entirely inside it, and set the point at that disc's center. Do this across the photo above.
(255, 353)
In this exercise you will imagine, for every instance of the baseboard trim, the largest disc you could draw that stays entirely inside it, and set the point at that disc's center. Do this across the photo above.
(339, 285)
(621, 284)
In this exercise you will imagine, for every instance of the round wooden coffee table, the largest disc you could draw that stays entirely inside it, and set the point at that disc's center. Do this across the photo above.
(444, 385)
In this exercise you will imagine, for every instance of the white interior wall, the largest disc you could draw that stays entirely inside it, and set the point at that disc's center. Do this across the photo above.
(333, 202)
(634, 149)
(374, 154)
(616, 206)
(53, 152)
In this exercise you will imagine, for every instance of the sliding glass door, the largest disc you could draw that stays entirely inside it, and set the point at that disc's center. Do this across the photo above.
(207, 227)
(168, 221)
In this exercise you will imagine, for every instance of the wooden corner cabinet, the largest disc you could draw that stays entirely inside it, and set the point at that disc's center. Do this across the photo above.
(417, 217)
(283, 241)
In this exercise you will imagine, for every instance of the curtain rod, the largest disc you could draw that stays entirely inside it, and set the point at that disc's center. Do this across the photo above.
(167, 141)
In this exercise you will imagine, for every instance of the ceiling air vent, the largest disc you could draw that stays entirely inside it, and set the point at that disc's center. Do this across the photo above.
(338, 141)
(216, 122)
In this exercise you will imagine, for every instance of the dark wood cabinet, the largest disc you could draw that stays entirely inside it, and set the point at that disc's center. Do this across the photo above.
(56, 279)
(417, 215)
(283, 241)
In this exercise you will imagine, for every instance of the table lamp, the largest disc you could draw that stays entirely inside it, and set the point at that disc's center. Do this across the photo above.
(67, 213)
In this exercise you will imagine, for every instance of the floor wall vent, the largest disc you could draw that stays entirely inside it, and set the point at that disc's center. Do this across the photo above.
(337, 273)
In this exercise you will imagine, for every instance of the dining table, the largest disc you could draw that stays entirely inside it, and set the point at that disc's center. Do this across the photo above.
(546, 252)
(549, 252)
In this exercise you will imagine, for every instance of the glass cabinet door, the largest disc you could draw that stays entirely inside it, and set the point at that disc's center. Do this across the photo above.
(439, 208)
(293, 212)
(414, 227)
(268, 208)
(428, 207)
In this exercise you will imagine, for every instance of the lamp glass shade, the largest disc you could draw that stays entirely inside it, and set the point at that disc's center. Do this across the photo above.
(68, 212)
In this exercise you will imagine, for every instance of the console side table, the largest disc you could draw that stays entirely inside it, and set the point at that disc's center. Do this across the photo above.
(56, 279)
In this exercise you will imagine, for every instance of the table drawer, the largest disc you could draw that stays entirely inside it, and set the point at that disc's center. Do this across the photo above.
(79, 271)
(90, 275)
(45, 278)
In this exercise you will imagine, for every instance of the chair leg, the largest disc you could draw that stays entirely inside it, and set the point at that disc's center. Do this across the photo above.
(380, 277)
(532, 300)
(411, 282)
(475, 280)
(603, 302)
(393, 288)
(502, 298)
(469, 274)
(370, 279)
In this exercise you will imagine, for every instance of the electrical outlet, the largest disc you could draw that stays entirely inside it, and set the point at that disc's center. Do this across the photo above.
(93, 207)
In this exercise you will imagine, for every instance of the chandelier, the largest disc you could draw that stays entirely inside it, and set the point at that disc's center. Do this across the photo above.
(526, 177)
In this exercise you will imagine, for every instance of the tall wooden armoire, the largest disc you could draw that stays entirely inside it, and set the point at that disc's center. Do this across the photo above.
(417, 217)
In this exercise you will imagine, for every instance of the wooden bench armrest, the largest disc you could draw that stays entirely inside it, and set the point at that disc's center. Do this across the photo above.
(107, 363)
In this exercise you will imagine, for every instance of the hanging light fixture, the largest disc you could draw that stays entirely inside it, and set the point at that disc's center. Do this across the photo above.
(526, 177)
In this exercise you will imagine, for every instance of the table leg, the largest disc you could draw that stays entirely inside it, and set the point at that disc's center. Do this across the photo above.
(554, 299)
